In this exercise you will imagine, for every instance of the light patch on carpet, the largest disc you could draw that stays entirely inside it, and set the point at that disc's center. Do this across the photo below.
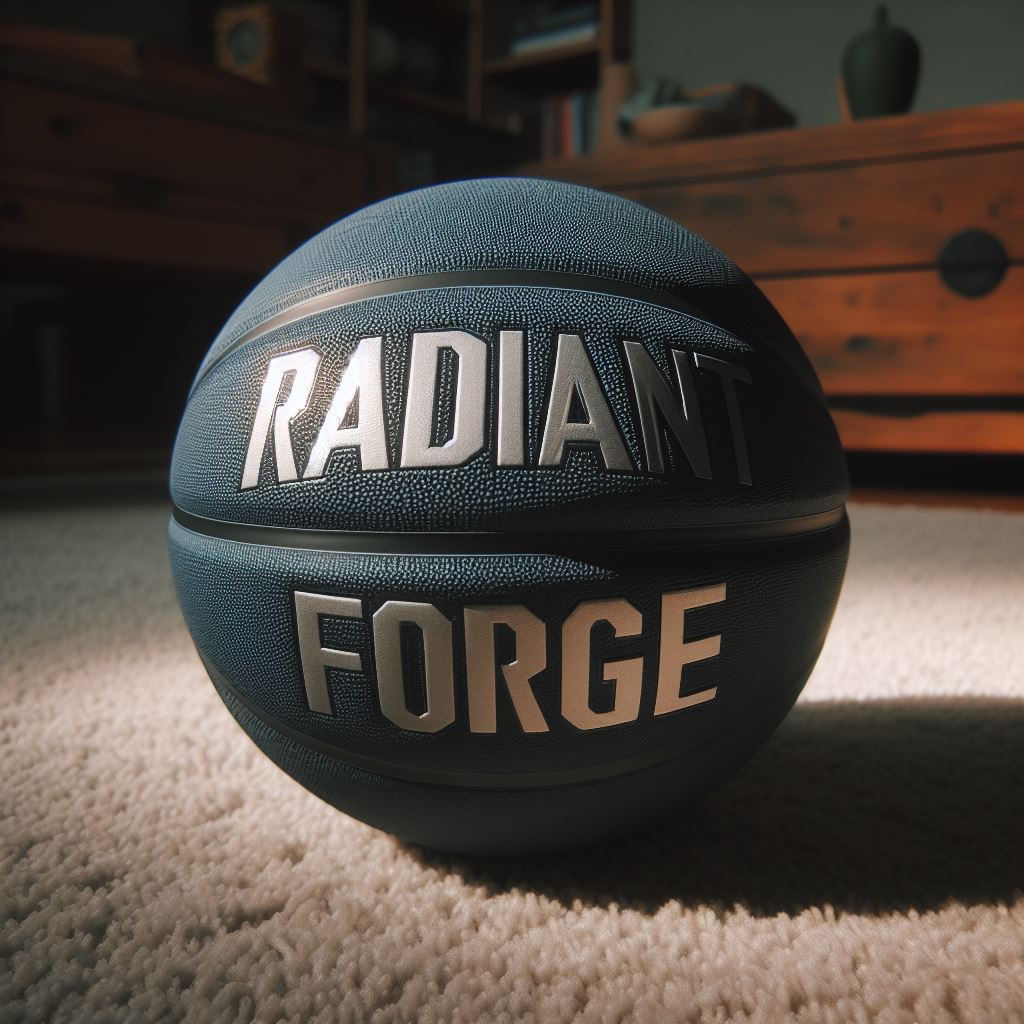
(866, 865)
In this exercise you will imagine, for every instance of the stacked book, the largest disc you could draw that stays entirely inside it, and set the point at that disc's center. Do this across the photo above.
(552, 27)
(568, 125)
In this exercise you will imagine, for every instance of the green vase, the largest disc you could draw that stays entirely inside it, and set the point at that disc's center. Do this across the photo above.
(880, 69)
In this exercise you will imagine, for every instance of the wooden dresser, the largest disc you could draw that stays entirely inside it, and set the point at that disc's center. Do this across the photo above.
(127, 165)
(894, 248)
(141, 197)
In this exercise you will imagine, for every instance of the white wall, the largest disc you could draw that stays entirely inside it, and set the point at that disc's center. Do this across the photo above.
(972, 51)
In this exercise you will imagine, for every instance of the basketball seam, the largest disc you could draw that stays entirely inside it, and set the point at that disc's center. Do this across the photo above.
(550, 280)
(455, 542)
(452, 779)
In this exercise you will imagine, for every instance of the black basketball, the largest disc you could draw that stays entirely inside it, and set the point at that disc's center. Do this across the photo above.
(508, 516)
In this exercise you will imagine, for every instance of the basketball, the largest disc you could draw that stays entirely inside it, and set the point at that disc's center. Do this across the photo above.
(508, 516)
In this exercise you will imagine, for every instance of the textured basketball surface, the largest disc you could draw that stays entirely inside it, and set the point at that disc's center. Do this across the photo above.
(508, 516)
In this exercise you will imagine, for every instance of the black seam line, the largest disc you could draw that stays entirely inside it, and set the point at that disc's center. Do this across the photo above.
(552, 279)
(510, 780)
(586, 543)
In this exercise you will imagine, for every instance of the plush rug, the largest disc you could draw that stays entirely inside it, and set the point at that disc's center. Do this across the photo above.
(868, 864)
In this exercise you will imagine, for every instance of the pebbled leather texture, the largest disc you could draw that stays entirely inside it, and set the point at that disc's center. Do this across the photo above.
(797, 464)
(237, 600)
(516, 823)
(517, 224)
(239, 605)
(238, 597)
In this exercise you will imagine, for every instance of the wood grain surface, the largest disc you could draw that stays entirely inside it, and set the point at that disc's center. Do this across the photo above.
(993, 126)
(969, 432)
(843, 226)
(869, 215)
(53, 128)
(906, 333)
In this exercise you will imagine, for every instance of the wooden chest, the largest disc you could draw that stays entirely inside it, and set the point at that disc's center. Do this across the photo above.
(894, 248)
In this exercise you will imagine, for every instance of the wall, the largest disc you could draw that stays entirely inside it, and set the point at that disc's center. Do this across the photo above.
(972, 51)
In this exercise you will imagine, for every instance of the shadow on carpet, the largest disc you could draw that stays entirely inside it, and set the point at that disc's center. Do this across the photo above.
(865, 806)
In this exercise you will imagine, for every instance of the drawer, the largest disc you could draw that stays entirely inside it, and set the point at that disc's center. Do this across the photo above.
(56, 129)
(859, 216)
(999, 432)
(905, 332)
(68, 227)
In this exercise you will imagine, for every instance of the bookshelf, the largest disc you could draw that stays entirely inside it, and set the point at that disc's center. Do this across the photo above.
(528, 72)
(489, 70)
(557, 56)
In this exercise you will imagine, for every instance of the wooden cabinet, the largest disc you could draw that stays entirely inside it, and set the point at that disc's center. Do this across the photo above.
(93, 168)
(134, 215)
(844, 227)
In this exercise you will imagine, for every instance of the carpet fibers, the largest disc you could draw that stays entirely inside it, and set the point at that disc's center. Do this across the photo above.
(867, 864)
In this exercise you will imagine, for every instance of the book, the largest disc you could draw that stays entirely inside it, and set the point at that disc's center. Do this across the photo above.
(544, 17)
(553, 39)
(568, 125)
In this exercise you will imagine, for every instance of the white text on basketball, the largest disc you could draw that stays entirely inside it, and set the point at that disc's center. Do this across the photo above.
(436, 637)
(448, 417)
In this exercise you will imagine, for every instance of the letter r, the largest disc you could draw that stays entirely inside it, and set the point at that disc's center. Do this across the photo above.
(302, 364)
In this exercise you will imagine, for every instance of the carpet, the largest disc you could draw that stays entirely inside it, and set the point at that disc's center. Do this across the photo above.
(867, 864)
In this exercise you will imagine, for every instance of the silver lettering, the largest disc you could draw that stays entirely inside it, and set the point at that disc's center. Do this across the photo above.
(729, 373)
(481, 682)
(314, 656)
(302, 364)
(437, 659)
(484, 673)
(676, 652)
(656, 403)
(575, 374)
(470, 400)
(362, 379)
(625, 675)
(510, 398)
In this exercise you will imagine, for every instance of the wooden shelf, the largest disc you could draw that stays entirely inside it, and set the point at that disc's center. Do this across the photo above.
(453, 11)
(410, 96)
(528, 91)
(546, 72)
(515, 62)
(326, 69)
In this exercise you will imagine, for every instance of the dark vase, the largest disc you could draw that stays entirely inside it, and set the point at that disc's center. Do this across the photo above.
(880, 69)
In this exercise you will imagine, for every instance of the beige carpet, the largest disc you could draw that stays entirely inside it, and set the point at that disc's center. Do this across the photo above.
(867, 865)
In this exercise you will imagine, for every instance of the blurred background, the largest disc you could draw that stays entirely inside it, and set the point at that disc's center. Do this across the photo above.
(865, 166)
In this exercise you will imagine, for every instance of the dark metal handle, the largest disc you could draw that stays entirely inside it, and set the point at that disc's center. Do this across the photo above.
(972, 263)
